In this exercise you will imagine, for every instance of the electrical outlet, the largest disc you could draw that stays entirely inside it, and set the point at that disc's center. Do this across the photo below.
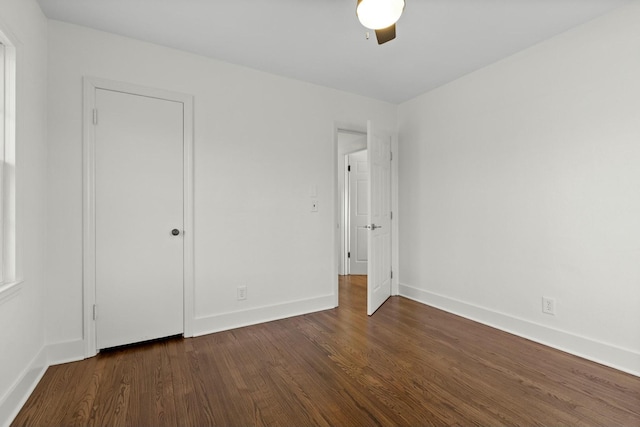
(242, 293)
(549, 306)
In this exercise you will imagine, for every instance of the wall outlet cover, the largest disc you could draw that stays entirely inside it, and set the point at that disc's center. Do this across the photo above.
(548, 305)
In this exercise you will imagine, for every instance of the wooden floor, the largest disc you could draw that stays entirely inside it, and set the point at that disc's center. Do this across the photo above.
(408, 364)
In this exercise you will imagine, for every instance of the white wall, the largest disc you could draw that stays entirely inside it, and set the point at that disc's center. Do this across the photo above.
(522, 180)
(261, 142)
(22, 357)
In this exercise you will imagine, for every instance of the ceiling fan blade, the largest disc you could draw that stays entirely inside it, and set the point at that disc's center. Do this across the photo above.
(386, 34)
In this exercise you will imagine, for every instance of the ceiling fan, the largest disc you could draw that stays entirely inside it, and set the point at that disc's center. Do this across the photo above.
(381, 16)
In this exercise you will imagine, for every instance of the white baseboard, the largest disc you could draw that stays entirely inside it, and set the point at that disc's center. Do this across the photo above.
(606, 354)
(12, 401)
(65, 352)
(238, 319)
(53, 354)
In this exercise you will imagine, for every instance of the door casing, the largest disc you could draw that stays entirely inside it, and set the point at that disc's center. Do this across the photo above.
(347, 142)
(338, 223)
(90, 85)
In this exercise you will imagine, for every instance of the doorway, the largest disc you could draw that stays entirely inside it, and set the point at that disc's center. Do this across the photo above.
(348, 142)
(379, 228)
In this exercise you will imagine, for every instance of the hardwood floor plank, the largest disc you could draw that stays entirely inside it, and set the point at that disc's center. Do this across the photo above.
(407, 365)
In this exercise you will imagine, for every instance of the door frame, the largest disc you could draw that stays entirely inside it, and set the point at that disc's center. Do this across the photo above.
(90, 85)
(343, 149)
(338, 223)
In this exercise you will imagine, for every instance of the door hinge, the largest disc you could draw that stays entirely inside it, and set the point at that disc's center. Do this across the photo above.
(348, 254)
(95, 116)
(348, 168)
(390, 155)
(391, 217)
(95, 311)
(392, 274)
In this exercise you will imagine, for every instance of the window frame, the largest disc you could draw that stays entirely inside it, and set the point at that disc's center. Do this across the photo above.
(9, 274)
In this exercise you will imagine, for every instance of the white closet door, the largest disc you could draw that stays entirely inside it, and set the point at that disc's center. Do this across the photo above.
(139, 218)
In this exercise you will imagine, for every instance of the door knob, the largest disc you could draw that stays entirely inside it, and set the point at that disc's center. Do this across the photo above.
(175, 231)
(373, 226)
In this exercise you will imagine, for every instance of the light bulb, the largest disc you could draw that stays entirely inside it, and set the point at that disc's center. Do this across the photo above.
(378, 14)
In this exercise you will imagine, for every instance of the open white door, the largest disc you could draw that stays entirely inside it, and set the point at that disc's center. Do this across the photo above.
(379, 267)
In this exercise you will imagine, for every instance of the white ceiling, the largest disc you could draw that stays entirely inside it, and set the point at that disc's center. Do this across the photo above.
(322, 42)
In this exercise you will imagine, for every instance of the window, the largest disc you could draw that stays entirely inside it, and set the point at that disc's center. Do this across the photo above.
(2, 138)
(7, 164)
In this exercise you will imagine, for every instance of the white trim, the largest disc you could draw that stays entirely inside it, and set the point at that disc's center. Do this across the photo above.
(9, 290)
(19, 392)
(337, 194)
(600, 352)
(344, 193)
(343, 150)
(189, 212)
(65, 352)
(254, 316)
(338, 222)
(395, 220)
(17, 395)
(10, 268)
(88, 216)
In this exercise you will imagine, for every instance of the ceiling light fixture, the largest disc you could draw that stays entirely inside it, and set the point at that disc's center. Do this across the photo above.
(379, 14)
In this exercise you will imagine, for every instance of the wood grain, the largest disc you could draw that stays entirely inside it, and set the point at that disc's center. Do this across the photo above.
(407, 365)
